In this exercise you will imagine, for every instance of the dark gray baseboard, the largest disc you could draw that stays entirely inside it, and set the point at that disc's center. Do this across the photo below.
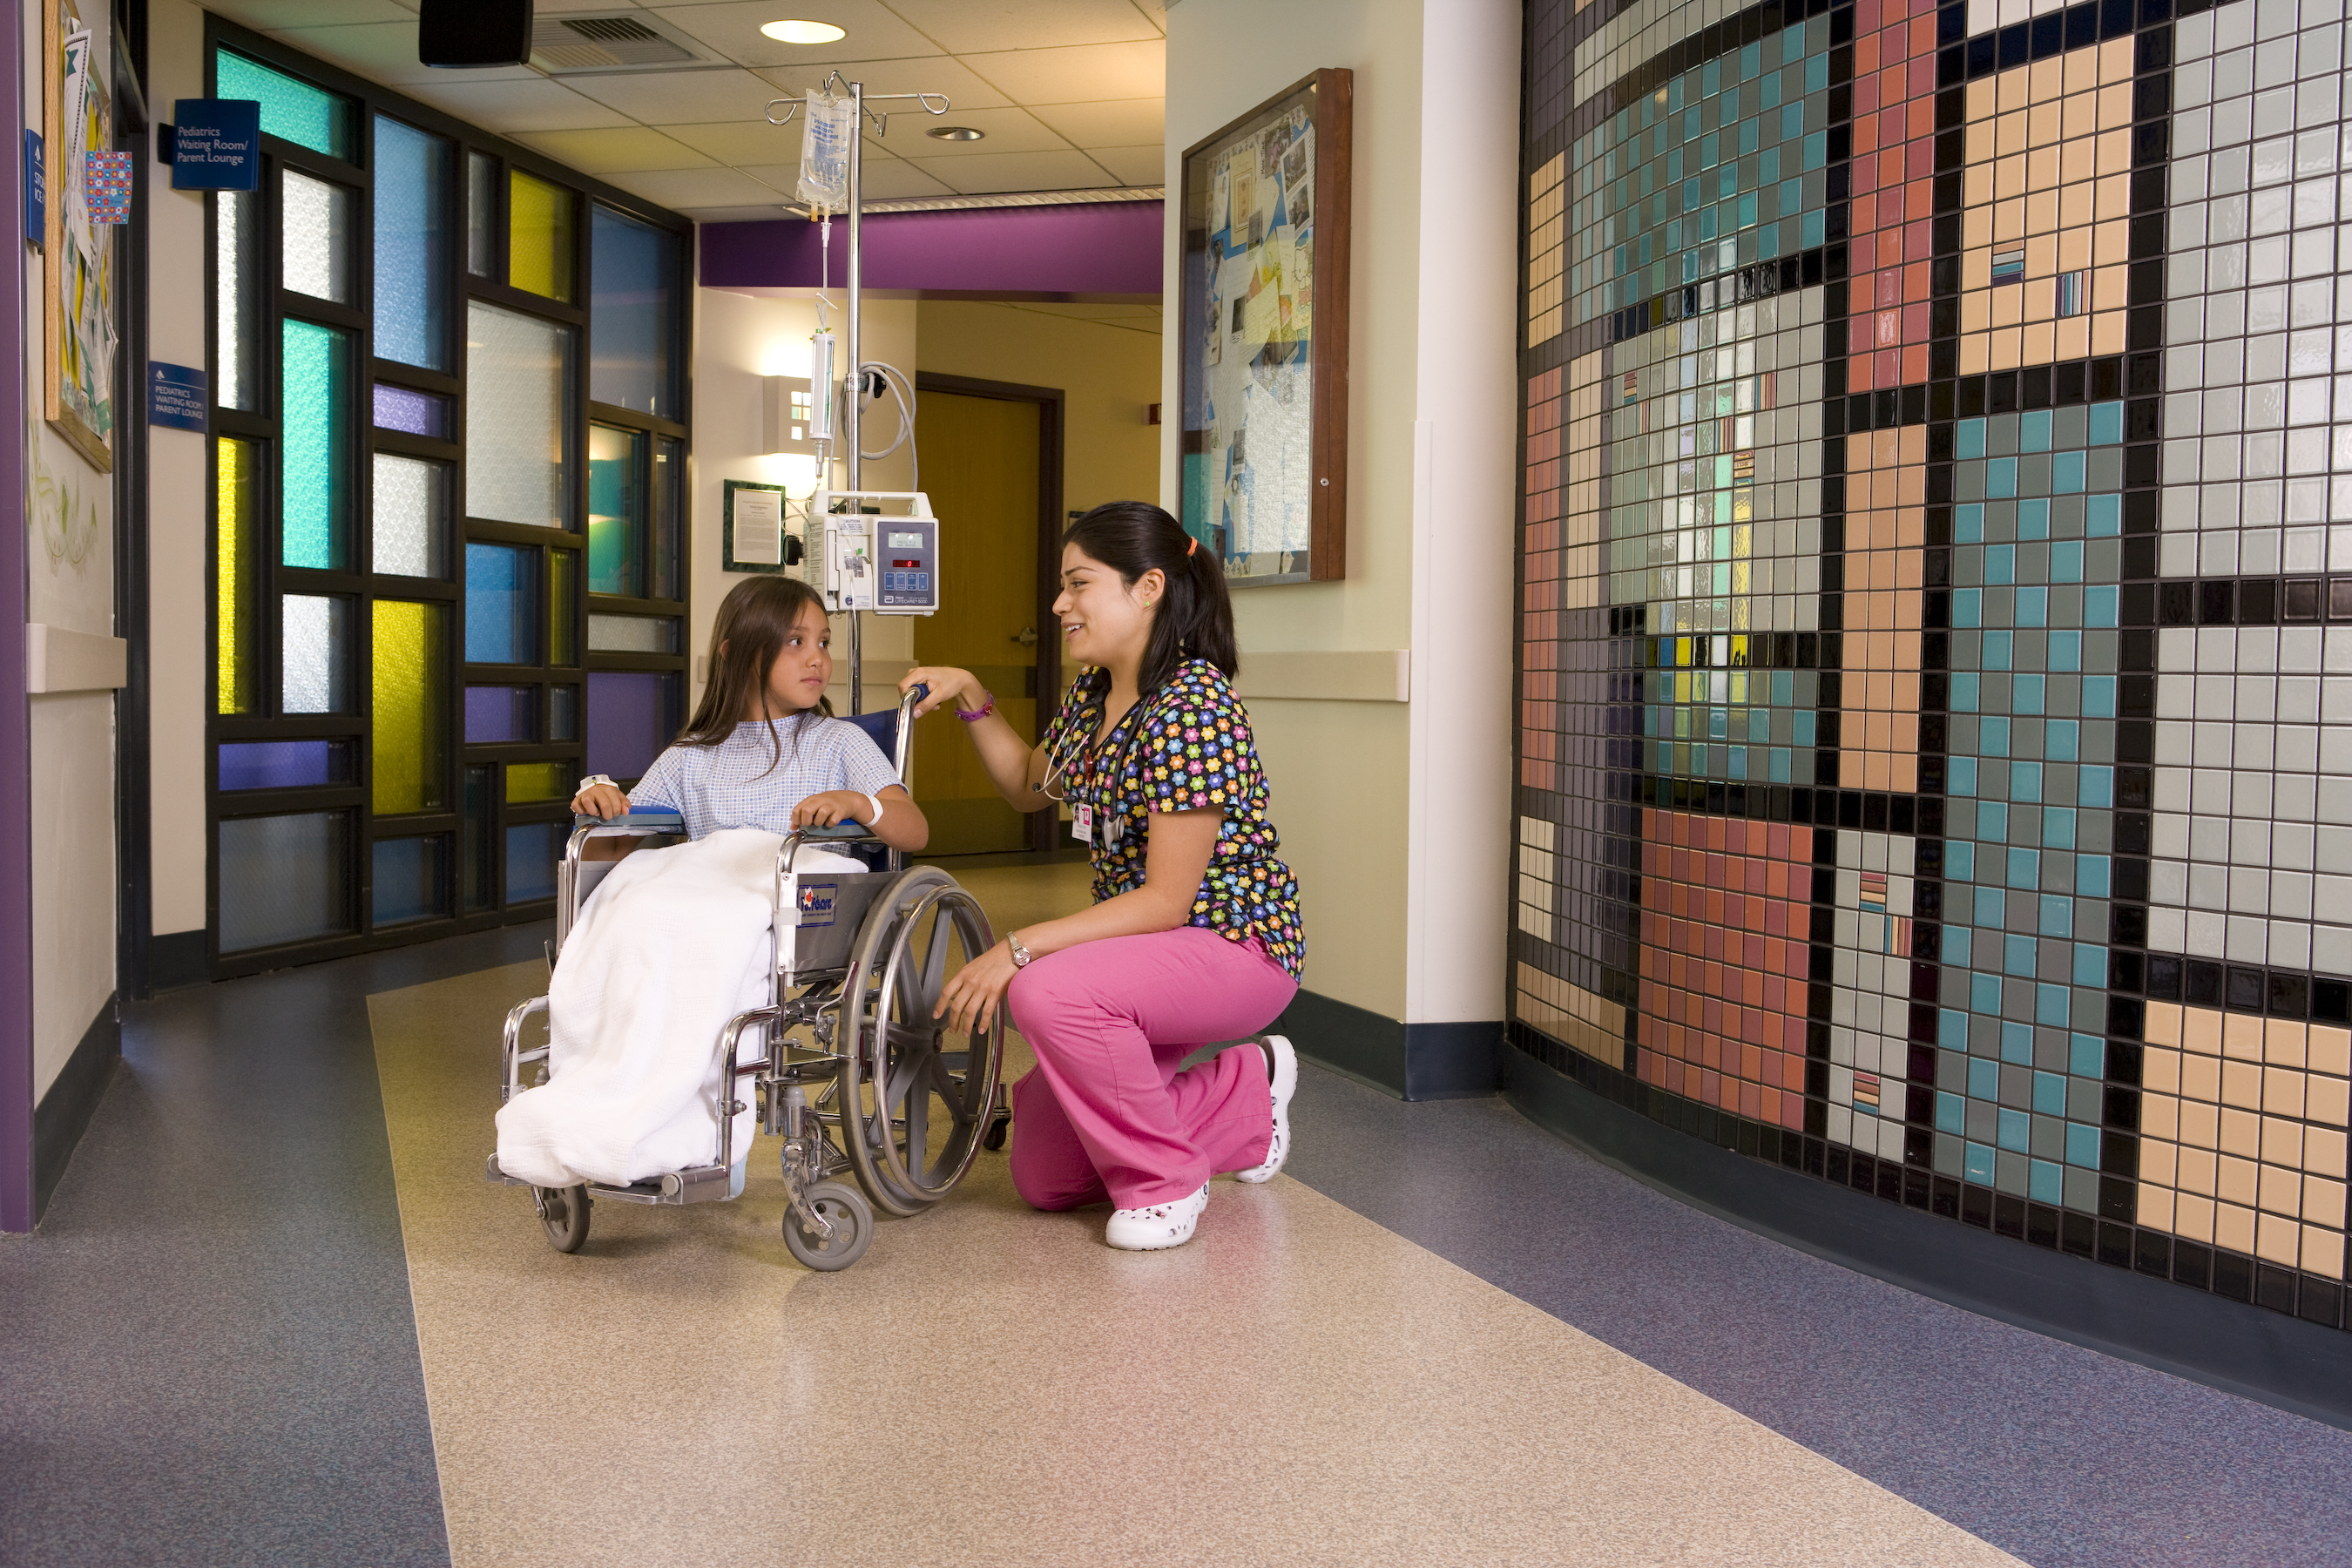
(64, 1112)
(2268, 1356)
(1410, 1061)
(175, 959)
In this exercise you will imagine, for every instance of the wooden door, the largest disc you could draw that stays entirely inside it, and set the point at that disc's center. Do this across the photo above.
(980, 457)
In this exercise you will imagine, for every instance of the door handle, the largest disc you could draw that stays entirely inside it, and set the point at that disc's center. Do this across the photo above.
(1026, 636)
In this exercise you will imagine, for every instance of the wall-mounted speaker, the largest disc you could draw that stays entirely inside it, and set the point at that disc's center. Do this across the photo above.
(474, 33)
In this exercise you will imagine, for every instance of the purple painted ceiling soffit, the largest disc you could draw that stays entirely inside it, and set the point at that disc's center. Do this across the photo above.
(1103, 250)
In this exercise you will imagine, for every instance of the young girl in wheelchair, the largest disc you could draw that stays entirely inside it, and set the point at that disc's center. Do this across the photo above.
(675, 941)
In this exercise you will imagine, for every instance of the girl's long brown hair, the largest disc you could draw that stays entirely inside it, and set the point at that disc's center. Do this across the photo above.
(758, 614)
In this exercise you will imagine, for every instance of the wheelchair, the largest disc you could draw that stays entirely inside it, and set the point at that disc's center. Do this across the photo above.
(845, 1061)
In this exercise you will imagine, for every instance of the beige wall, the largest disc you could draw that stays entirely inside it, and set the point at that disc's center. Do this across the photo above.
(70, 524)
(1108, 374)
(740, 338)
(1394, 817)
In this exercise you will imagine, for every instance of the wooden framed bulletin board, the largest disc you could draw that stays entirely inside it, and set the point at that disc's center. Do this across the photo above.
(77, 255)
(1264, 349)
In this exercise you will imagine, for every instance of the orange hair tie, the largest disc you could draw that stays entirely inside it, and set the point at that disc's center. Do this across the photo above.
(1192, 542)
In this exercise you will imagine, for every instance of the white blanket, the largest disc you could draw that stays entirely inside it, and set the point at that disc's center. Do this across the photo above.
(673, 944)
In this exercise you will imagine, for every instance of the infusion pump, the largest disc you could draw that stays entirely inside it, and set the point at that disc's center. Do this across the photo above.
(886, 560)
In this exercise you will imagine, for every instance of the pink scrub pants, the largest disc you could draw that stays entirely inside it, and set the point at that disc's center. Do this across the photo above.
(1106, 1114)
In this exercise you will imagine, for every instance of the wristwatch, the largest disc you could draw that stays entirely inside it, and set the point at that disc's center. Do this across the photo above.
(1019, 951)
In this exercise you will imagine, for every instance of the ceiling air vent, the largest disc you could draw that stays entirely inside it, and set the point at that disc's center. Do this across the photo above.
(561, 43)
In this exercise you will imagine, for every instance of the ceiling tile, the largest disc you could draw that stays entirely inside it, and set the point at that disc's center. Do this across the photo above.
(265, 15)
(917, 73)
(1133, 165)
(732, 215)
(614, 151)
(680, 96)
(870, 31)
(1122, 123)
(885, 179)
(989, 171)
(384, 52)
(679, 188)
(962, 27)
(1003, 131)
(511, 108)
(1084, 75)
(740, 142)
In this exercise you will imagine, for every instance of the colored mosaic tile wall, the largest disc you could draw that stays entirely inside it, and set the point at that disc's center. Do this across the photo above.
(1936, 628)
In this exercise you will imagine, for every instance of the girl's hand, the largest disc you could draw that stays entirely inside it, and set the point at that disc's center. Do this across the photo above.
(832, 807)
(974, 993)
(946, 684)
(601, 799)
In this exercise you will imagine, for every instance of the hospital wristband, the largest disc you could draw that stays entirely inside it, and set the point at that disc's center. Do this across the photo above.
(878, 809)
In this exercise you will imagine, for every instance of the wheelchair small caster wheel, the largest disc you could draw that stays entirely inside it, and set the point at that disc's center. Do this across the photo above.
(852, 1218)
(563, 1211)
(1000, 1127)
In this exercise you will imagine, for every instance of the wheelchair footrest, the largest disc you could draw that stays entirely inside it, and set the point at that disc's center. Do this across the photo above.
(497, 1177)
(697, 1184)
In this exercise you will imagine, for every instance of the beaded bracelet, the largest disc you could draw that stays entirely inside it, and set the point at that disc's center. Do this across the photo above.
(987, 706)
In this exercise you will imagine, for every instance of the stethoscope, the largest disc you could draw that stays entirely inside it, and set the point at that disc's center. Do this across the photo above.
(1113, 828)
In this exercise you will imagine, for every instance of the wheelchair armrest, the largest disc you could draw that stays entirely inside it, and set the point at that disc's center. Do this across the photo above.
(838, 830)
(635, 822)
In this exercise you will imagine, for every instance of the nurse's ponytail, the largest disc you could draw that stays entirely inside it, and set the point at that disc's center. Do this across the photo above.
(1195, 619)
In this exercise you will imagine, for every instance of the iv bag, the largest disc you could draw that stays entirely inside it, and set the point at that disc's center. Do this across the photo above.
(827, 125)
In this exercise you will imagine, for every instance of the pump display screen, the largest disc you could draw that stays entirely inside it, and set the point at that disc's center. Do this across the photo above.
(905, 541)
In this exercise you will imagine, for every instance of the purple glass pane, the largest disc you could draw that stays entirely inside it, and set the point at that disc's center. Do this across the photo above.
(501, 713)
(417, 412)
(284, 764)
(629, 722)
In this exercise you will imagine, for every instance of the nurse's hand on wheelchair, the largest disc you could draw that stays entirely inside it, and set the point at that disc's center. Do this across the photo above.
(947, 686)
(603, 800)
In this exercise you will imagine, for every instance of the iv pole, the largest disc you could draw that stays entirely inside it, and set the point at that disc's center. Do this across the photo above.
(855, 392)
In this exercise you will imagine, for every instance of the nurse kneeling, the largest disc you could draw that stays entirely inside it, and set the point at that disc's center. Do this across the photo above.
(1194, 936)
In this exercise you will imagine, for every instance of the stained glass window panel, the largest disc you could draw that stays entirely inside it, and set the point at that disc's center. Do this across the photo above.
(563, 607)
(237, 302)
(314, 460)
(314, 243)
(616, 512)
(632, 307)
(669, 518)
(481, 214)
(315, 653)
(412, 245)
(532, 849)
(284, 764)
(538, 235)
(563, 713)
(411, 516)
(631, 718)
(412, 879)
(411, 412)
(284, 879)
(527, 783)
(481, 858)
(518, 429)
(410, 678)
(501, 618)
(291, 111)
(501, 715)
(631, 634)
(235, 580)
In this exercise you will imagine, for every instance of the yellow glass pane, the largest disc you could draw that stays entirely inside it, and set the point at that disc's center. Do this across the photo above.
(538, 237)
(563, 607)
(234, 578)
(528, 782)
(411, 707)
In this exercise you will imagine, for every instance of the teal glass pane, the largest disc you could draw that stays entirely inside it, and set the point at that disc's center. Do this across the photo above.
(291, 111)
(314, 481)
(632, 296)
(501, 607)
(616, 512)
(532, 849)
(412, 879)
(412, 245)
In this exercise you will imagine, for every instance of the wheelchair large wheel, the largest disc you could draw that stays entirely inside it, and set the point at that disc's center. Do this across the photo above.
(563, 1213)
(917, 1097)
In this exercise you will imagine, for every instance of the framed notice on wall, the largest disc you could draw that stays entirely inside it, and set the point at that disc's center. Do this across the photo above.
(1264, 316)
(76, 252)
(752, 536)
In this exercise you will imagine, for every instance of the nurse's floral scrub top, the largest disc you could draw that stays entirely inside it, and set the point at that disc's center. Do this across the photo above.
(1185, 747)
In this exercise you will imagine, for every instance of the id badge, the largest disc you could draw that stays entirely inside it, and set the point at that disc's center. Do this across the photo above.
(1082, 824)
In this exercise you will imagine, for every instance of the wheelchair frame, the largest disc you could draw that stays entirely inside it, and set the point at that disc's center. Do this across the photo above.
(848, 975)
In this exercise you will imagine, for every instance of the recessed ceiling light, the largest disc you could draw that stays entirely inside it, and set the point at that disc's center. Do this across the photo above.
(955, 134)
(801, 32)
